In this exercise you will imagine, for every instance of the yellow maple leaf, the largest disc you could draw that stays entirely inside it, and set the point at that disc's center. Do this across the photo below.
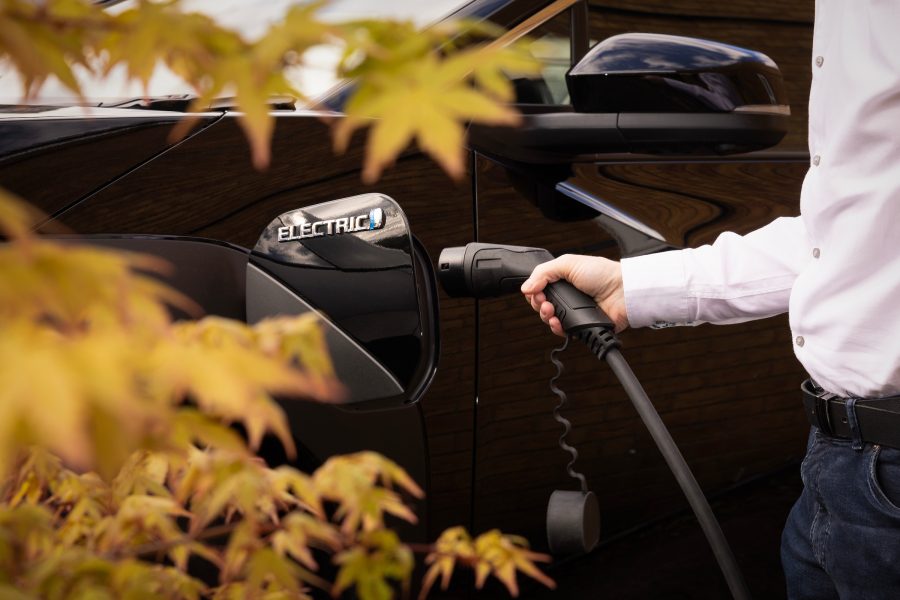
(411, 91)
(296, 488)
(452, 545)
(502, 555)
(35, 38)
(17, 217)
(352, 482)
(299, 531)
(369, 566)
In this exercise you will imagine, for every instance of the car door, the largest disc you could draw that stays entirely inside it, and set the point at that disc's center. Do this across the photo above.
(728, 394)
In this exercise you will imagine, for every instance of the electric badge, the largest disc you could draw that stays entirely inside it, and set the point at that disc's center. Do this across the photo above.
(307, 229)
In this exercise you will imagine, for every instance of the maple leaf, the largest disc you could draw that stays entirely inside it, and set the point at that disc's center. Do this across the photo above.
(452, 545)
(17, 217)
(409, 91)
(215, 483)
(137, 579)
(216, 61)
(352, 481)
(67, 284)
(242, 542)
(296, 488)
(265, 566)
(502, 555)
(223, 366)
(298, 532)
(369, 566)
(191, 426)
(34, 37)
(140, 519)
(298, 338)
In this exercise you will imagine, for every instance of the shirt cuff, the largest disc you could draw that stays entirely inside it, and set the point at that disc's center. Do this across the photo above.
(655, 290)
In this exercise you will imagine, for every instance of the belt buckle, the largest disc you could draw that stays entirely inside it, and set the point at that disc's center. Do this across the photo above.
(822, 416)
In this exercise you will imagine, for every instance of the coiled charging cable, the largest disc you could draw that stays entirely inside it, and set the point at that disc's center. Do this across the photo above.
(557, 416)
(604, 344)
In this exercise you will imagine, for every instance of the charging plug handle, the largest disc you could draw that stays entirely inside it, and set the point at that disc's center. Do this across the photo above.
(479, 270)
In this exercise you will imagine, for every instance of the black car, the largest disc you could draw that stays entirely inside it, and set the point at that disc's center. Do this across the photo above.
(655, 142)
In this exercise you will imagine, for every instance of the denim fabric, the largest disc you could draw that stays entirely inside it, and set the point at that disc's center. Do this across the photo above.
(842, 537)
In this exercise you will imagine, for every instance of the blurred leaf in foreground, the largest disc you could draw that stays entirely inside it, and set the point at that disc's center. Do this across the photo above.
(408, 90)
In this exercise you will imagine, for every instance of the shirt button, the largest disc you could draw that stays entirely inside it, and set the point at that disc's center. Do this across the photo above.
(820, 60)
(800, 341)
(816, 253)
(817, 159)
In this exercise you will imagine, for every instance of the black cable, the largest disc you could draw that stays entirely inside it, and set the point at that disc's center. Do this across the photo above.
(672, 455)
(567, 425)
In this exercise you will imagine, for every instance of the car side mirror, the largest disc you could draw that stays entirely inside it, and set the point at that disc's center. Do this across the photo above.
(656, 94)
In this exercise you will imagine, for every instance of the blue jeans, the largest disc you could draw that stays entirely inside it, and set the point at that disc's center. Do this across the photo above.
(842, 537)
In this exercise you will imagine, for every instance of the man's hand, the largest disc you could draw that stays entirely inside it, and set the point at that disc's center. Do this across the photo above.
(598, 277)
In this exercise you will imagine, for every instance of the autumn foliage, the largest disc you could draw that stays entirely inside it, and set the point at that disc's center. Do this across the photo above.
(119, 463)
(128, 439)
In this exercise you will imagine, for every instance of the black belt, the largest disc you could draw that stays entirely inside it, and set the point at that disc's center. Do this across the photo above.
(878, 418)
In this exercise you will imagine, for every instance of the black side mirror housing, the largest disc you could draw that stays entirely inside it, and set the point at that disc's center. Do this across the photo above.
(648, 72)
(654, 94)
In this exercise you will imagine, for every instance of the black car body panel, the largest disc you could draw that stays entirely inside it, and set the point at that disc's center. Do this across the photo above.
(56, 157)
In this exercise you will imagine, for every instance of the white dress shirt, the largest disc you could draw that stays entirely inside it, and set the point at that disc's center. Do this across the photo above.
(836, 267)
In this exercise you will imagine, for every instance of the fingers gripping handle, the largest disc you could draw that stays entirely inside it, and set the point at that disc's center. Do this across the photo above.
(575, 309)
(479, 270)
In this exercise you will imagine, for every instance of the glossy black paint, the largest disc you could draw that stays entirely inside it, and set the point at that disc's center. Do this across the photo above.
(568, 138)
(56, 161)
(18, 136)
(379, 246)
(654, 94)
(209, 272)
(363, 280)
(643, 72)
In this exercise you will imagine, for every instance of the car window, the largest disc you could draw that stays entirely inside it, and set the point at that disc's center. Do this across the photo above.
(551, 44)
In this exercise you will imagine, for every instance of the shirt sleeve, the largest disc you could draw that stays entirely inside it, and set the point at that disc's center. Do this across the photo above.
(737, 278)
